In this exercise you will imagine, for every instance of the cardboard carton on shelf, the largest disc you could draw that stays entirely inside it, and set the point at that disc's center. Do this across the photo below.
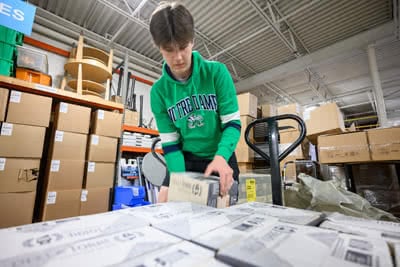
(131, 118)
(106, 123)
(384, 143)
(102, 148)
(18, 174)
(21, 141)
(268, 110)
(72, 118)
(64, 174)
(68, 146)
(3, 103)
(99, 174)
(16, 208)
(29, 109)
(343, 148)
(95, 200)
(247, 105)
(294, 109)
(61, 204)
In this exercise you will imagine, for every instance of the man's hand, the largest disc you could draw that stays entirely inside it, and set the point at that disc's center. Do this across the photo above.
(220, 166)
(163, 194)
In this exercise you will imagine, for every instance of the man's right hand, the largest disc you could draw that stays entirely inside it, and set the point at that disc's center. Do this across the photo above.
(163, 194)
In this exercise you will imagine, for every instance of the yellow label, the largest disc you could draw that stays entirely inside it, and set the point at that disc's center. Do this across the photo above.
(251, 190)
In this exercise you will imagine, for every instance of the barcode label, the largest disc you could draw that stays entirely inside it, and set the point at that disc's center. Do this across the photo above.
(15, 97)
(84, 195)
(91, 166)
(59, 136)
(95, 140)
(63, 107)
(100, 114)
(2, 164)
(51, 197)
(251, 190)
(55, 165)
(6, 129)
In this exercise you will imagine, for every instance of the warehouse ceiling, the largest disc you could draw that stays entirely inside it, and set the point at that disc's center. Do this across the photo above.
(304, 51)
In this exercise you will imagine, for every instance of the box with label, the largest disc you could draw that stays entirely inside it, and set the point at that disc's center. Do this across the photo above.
(191, 226)
(72, 118)
(131, 118)
(235, 231)
(68, 146)
(18, 174)
(21, 141)
(71, 230)
(343, 148)
(29, 109)
(182, 254)
(99, 174)
(61, 204)
(243, 152)
(95, 200)
(64, 174)
(102, 148)
(289, 124)
(247, 105)
(284, 214)
(268, 110)
(105, 250)
(384, 143)
(106, 123)
(162, 212)
(3, 103)
(16, 209)
(254, 187)
(325, 119)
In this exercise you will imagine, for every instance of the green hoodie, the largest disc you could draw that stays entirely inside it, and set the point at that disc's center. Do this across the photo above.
(200, 115)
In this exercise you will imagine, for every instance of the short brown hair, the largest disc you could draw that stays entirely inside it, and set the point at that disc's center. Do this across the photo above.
(170, 23)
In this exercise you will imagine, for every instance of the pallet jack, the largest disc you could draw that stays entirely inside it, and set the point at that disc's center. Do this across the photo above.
(274, 157)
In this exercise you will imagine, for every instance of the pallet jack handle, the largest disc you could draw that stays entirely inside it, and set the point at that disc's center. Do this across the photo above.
(274, 156)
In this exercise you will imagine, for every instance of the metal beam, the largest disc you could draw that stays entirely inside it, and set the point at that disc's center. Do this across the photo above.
(379, 101)
(360, 40)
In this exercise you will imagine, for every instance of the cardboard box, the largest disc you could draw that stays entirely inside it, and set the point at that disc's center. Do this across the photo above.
(68, 146)
(235, 231)
(104, 250)
(191, 226)
(72, 230)
(284, 214)
(384, 143)
(247, 105)
(343, 148)
(326, 119)
(72, 118)
(131, 118)
(243, 152)
(102, 149)
(16, 209)
(64, 174)
(18, 175)
(287, 138)
(268, 110)
(21, 141)
(61, 204)
(95, 200)
(29, 109)
(106, 123)
(99, 174)
(289, 124)
(3, 103)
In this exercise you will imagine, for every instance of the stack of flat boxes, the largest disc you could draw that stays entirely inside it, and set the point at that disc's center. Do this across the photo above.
(101, 157)
(23, 118)
(66, 162)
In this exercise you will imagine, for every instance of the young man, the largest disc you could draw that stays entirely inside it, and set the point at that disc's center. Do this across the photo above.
(194, 103)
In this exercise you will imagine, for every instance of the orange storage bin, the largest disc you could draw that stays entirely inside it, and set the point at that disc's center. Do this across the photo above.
(33, 76)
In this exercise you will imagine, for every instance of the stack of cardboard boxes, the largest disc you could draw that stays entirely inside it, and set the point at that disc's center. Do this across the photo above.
(23, 118)
(101, 158)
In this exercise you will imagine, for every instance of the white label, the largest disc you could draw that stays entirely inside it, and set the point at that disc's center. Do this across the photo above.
(51, 197)
(100, 114)
(84, 195)
(55, 165)
(6, 129)
(91, 166)
(307, 114)
(95, 140)
(59, 136)
(45, 88)
(63, 107)
(15, 97)
(135, 191)
(2, 164)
